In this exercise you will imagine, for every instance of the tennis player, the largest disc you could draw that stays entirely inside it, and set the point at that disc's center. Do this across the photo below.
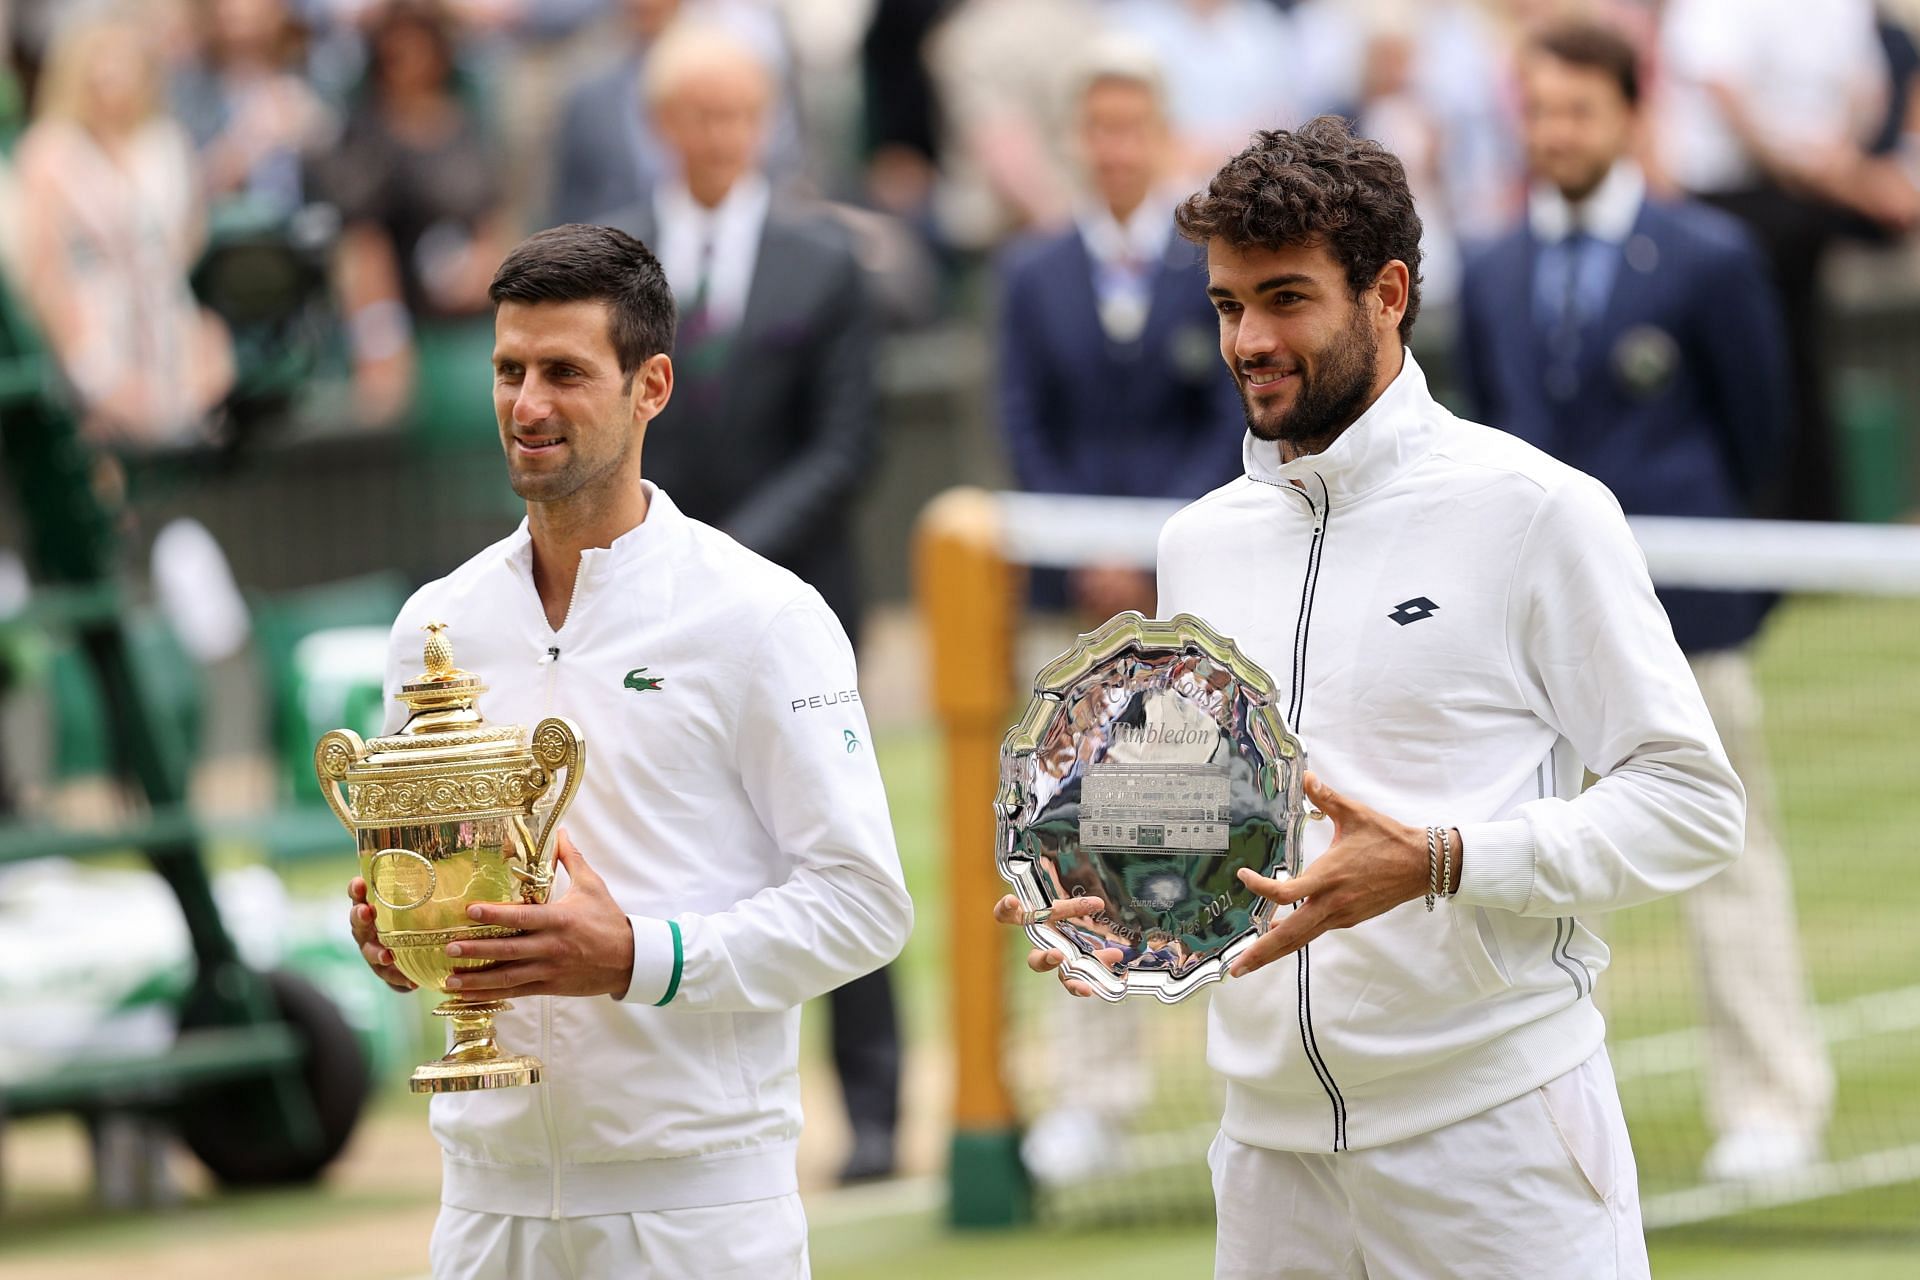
(734, 856)
(1462, 627)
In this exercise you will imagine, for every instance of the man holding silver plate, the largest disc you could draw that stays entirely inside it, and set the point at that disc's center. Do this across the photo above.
(1457, 628)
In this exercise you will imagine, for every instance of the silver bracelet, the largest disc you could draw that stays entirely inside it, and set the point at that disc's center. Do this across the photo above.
(1446, 862)
(1433, 865)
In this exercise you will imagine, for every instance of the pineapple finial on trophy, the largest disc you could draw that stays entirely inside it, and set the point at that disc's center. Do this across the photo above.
(439, 654)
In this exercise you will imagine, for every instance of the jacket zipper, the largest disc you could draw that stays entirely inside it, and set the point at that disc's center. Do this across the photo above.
(551, 660)
(1308, 586)
(573, 605)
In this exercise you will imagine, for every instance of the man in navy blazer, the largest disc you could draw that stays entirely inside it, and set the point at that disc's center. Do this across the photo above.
(1110, 377)
(1641, 341)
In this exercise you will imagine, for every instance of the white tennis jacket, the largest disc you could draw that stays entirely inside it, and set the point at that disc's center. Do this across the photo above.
(730, 797)
(1460, 627)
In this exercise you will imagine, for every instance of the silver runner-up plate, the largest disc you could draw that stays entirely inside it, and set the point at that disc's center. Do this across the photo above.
(1151, 765)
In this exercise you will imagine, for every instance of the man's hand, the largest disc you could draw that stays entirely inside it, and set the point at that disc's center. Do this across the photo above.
(1009, 911)
(1103, 590)
(1373, 865)
(581, 945)
(378, 957)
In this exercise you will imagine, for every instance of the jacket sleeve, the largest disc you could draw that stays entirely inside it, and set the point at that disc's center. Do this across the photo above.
(1746, 368)
(783, 513)
(809, 772)
(1597, 662)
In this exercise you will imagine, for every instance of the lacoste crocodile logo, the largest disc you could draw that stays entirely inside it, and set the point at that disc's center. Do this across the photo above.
(639, 681)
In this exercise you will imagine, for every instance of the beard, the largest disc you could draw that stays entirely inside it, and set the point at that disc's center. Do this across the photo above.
(1575, 180)
(1328, 400)
(550, 487)
(583, 471)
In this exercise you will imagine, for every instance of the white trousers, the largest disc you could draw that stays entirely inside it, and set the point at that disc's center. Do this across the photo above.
(1767, 1065)
(754, 1240)
(1540, 1188)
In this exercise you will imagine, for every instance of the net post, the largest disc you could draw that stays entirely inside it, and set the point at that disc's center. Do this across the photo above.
(967, 596)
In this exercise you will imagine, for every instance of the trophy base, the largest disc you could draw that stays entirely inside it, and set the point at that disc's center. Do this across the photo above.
(474, 1061)
(504, 1072)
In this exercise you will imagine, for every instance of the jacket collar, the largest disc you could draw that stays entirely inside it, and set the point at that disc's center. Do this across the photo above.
(1141, 241)
(650, 540)
(1607, 214)
(1396, 431)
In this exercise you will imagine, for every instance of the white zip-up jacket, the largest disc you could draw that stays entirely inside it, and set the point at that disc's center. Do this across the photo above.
(729, 795)
(1460, 626)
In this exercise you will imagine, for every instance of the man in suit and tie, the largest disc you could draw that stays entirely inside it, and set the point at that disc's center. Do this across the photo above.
(1641, 341)
(772, 425)
(607, 153)
(1110, 381)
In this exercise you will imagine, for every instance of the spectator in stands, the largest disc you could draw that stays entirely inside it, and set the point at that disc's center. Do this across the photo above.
(1109, 381)
(105, 225)
(1769, 105)
(1639, 340)
(1893, 154)
(1434, 91)
(1004, 93)
(251, 113)
(608, 155)
(421, 199)
(1391, 110)
(1229, 69)
(532, 55)
(772, 424)
(1896, 22)
(900, 120)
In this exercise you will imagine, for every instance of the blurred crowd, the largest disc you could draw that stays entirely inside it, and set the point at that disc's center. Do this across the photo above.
(438, 131)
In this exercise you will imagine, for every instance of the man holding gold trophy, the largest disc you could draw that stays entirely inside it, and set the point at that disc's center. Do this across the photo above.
(728, 854)
(1457, 628)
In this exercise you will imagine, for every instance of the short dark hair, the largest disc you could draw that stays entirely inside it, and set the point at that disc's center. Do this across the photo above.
(1315, 183)
(1596, 47)
(579, 262)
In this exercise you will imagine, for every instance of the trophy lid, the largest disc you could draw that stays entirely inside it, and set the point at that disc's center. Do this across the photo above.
(442, 702)
(442, 686)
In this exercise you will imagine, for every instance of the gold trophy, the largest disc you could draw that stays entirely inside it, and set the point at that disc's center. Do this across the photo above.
(443, 815)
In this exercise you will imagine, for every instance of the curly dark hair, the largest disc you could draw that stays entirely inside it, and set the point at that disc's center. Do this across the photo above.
(1315, 183)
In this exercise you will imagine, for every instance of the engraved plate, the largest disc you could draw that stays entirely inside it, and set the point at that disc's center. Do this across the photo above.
(1156, 808)
(1150, 767)
(401, 878)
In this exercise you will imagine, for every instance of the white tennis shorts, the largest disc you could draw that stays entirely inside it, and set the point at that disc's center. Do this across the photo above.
(1540, 1188)
(753, 1240)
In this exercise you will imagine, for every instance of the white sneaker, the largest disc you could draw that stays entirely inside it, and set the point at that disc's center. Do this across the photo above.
(1070, 1144)
(1746, 1155)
